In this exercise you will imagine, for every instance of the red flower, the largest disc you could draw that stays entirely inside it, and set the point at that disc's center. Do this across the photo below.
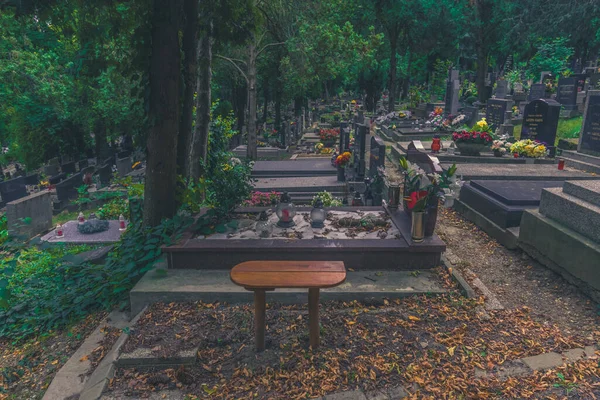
(414, 197)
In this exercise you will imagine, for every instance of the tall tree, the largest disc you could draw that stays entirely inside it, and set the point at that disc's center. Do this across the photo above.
(165, 69)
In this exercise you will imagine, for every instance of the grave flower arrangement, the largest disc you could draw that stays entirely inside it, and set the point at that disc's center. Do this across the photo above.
(329, 135)
(262, 199)
(422, 189)
(500, 147)
(471, 142)
(343, 159)
(529, 148)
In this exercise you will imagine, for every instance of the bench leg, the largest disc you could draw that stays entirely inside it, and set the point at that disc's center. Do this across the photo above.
(259, 319)
(313, 317)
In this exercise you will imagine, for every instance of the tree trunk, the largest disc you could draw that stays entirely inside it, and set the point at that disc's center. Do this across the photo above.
(101, 145)
(266, 95)
(252, 151)
(165, 71)
(406, 83)
(189, 45)
(199, 144)
(392, 83)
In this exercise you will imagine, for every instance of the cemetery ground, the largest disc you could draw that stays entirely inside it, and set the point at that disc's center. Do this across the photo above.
(432, 346)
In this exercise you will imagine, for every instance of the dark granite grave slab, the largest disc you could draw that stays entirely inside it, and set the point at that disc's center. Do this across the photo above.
(291, 168)
(13, 189)
(68, 168)
(519, 172)
(503, 202)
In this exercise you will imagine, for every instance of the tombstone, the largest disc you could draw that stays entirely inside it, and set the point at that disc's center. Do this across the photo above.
(32, 179)
(580, 82)
(595, 81)
(416, 154)
(471, 115)
(507, 128)
(581, 96)
(53, 161)
(53, 180)
(37, 207)
(360, 151)
(83, 164)
(566, 93)
(452, 93)
(67, 189)
(66, 159)
(13, 189)
(68, 168)
(377, 156)
(343, 134)
(589, 138)
(537, 91)
(123, 154)
(51, 170)
(496, 111)
(501, 89)
(124, 166)
(104, 174)
(545, 75)
(540, 121)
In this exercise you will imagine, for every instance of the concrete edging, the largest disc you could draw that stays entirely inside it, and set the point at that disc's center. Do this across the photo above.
(466, 289)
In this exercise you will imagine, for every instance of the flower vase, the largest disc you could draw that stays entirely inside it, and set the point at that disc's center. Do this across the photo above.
(341, 174)
(431, 214)
(470, 149)
(497, 153)
(418, 226)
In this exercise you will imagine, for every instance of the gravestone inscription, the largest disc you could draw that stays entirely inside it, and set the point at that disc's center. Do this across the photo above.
(540, 121)
(567, 93)
(537, 91)
(589, 138)
(496, 111)
(501, 89)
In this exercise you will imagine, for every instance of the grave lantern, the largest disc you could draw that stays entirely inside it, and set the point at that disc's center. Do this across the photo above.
(122, 226)
(80, 218)
(59, 231)
(318, 215)
(285, 211)
(263, 227)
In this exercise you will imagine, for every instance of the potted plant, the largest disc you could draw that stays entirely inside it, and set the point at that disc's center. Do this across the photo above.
(340, 162)
(500, 147)
(436, 185)
(472, 142)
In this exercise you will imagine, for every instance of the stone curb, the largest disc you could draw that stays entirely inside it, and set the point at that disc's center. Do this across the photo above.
(106, 369)
(541, 362)
(466, 289)
(143, 358)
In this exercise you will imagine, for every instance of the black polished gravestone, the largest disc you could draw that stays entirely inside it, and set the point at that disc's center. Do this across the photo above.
(540, 121)
(503, 202)
(105, 174)
(566, 94)
(13, 189)
(377, 156)
(537, 91)
(360, 146)
(589, 138)
(68, 168)
(343, 134)
(67, 189)
(496, 111)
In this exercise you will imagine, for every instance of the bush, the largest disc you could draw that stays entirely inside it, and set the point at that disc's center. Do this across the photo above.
(113, 209)
(327, 199)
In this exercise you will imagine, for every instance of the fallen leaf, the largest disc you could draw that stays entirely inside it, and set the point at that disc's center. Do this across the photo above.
(451, 350)
(413, 318)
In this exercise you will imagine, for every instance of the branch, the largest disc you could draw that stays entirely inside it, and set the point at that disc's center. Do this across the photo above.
(231, 60)
(268, 45)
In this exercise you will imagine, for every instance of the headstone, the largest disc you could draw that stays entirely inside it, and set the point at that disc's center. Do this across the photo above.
(589, 138)
(13, 189)
(377, 156)
(343, 133)
(566, 93)
(540, 121)
(537, 91)
(580, 82)
(53, 180)
(452, 93)
(361, 149)
(68, 168)
(36, 208)
(104, 174)
(83, 164)
(53, 161)
(32, 179)
(471, 115)
(124, 166)
(545, 75)
(67, 189)
(496, 111)
(51, 170)
(501, 89)
(595, 81)
(416, 154)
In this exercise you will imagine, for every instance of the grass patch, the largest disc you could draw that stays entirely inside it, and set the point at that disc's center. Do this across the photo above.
(66, 216)
(567, 129)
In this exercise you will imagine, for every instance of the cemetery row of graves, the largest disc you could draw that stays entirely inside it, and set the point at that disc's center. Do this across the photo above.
(386, 194)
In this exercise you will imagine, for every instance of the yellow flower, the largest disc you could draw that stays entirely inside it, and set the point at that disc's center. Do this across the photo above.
(135, 164)
(227, 167)
(353, 102)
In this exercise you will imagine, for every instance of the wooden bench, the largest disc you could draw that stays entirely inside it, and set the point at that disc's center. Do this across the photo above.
(261, 276)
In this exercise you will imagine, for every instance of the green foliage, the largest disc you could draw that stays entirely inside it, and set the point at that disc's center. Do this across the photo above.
(113, 209)
(327, 199)
(550, 56)
(62, 288)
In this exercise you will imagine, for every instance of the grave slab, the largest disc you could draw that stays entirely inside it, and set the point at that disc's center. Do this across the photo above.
(72, 235)
(294, 168)
(190, 285)
(535, 172)
(575, 213)
(300, 184)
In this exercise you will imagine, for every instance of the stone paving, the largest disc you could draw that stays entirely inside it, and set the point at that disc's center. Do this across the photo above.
(72, 235)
